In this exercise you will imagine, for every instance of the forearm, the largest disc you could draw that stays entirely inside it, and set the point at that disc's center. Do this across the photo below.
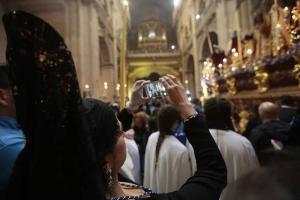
(204, 145)
(210, 164)
(210, 178)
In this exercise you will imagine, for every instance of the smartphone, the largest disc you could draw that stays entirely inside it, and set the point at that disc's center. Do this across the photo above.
(155, 89)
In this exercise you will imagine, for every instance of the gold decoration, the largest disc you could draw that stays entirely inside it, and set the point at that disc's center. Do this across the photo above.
(215, 87)
(244, 119)
(261, 77)
(296, 71)
(264, 45)
(230, 80)
(236, 61)
(123, 50)
(295, 26)
(209, 74)
(42, 57)
(229, 69)
(280, 29)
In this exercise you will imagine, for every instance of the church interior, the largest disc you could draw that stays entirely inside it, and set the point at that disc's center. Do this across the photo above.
(244, 50)
(150, 99)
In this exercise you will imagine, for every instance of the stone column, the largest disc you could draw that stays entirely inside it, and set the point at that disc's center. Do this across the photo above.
(82, 40)
(225, 21)
(73, 34)
(94, 51)
(115, 48)
(195, 51)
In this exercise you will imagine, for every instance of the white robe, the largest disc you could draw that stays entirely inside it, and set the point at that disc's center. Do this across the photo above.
(176, 163)
(131, 168)
(237, 152)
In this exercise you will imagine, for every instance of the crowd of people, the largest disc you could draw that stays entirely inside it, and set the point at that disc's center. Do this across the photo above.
(55, 144)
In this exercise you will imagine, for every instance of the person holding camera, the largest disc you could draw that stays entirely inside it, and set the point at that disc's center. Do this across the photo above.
(76, 147)
(206, 183)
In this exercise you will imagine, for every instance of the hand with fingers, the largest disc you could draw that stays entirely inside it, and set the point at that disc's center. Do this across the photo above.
(137, 97)
(177, 96)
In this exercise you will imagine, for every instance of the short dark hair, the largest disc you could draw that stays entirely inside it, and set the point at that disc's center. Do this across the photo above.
(218, 113)
(287, 100)
(5, 81)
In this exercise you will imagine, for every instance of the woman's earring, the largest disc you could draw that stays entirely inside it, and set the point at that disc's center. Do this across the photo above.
(109, 179)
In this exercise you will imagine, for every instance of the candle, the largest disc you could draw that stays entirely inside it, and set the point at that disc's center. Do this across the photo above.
(249, 51)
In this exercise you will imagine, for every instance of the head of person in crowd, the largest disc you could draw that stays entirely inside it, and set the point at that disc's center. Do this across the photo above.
(287, 109)
(287, 100)
(196, 101)
(140, 121)
(276, 182)
(268, 111)
(7, 103)
(272, 157)
(108, 140)
(153, 124)
(168, 119)
(125, 117)
(197, 104)
(218, 112)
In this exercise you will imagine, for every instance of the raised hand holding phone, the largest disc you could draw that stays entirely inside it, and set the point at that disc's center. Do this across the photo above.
(155, 89)
(177, 96)
(137, 97)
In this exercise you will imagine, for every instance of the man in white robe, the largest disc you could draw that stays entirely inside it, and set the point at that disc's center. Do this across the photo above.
(176, 163)
(237, 151)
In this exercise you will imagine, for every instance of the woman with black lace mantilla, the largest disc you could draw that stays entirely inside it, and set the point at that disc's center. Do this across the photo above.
(75, 147)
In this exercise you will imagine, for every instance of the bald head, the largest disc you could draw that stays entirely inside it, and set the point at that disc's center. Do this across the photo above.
(268, 111)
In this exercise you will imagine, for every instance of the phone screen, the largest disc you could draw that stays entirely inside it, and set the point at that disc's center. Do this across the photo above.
(155, 89)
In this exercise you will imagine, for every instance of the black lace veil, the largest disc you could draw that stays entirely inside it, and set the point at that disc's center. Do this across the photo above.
(58, 161)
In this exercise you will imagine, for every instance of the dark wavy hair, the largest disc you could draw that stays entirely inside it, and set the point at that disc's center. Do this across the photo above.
(167, 116)
(104, 129)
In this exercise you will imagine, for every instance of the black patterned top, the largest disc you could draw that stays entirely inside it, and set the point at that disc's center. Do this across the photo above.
(147, 192)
